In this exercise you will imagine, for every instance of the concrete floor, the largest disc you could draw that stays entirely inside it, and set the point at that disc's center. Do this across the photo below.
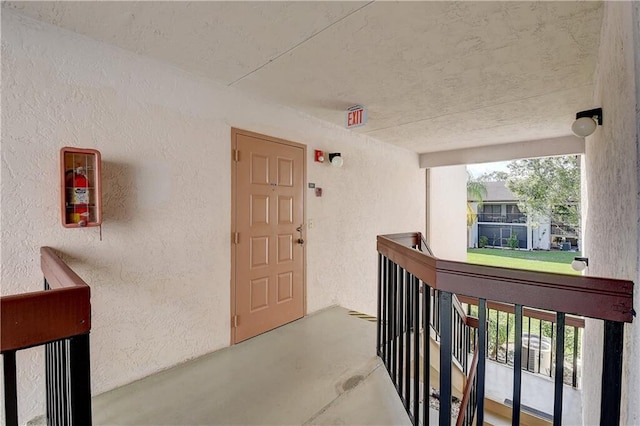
(320, 370)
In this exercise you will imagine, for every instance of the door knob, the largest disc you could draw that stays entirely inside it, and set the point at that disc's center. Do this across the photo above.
(299, 229)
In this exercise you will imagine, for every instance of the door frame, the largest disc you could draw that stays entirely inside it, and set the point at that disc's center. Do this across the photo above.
(234, 133)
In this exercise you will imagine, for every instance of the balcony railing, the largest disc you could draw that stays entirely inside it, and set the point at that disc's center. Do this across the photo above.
(505, 218)
(407, 278)
(539, 338)
(60, 319)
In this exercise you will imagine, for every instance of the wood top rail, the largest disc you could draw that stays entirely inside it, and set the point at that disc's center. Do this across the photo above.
(32, 319)
(601, 298)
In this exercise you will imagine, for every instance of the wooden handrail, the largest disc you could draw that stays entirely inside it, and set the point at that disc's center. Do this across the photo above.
(56, 272)
(602, 298)
(468, 388)
(32, 319)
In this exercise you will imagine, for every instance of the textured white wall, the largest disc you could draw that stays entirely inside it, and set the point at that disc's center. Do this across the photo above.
(611, 176)
(447, 212)
(160, 277)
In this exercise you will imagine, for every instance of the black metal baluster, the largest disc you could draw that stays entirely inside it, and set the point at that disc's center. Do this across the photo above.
(401, 323)
(529, 347)
(10, 388)
(436, 301)
(379, 321)
(394, 329)
(458, 341)
(540, 336)
(559, 381)
(445, 357)
(517, 367)
(64, 401)
(611, 373)
(426, 351)
(389, 315)
(55, 397)
(49, 379)
(497, 336)
(67, 380)
(416, 349)
(482, 353)
(506, 359)
(574, 380)
(382, 349)
(407, 383)
(553, 354)
(467, 345)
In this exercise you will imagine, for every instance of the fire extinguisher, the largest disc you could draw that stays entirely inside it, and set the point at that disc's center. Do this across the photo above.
(79, 197)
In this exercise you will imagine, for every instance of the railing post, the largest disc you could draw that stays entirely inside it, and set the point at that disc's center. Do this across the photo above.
(10, 388)
(557, 403)
(80, 377)
(517, 366)
(446, 335)
(611, 373)
(482, 353)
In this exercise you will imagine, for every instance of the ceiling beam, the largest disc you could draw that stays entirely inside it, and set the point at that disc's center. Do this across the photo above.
(564, 145)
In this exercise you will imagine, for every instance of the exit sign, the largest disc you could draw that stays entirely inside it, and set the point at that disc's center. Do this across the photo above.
(356, 116)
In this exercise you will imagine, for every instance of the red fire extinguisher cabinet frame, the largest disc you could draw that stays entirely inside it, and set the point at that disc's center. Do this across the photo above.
(80, 165)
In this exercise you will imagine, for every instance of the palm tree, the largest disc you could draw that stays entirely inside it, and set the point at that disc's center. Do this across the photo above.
(476, 191)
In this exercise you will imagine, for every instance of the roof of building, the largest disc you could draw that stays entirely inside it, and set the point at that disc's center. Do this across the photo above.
(498, 191)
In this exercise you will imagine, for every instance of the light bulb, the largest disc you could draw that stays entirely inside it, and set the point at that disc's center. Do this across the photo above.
(578, 265)
(584, 126)
(337, 161)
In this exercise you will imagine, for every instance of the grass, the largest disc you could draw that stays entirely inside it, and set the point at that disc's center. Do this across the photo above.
(546, 261)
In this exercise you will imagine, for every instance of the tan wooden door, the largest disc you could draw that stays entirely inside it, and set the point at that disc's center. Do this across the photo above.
(268, 250)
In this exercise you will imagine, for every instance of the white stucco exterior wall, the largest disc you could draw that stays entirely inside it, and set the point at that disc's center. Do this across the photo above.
(160, 277)
(611, 175)
(447, 212)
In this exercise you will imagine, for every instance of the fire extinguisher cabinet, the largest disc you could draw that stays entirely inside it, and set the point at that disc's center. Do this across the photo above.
(80, 186)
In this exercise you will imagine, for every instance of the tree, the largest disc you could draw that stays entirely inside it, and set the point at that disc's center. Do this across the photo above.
(476, 191)
(548, 186)
(495, 176)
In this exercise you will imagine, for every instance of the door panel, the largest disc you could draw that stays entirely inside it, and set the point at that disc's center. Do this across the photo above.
(268, 261)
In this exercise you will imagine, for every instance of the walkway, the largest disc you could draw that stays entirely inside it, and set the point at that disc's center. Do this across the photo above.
(321, 370)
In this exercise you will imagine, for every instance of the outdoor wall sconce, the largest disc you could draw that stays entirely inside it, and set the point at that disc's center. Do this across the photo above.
(335, 159)
(580, 263)
(587, 122)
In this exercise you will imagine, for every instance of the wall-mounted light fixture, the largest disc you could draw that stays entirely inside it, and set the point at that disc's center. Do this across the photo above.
(580, 263)
(587, 122)
(335, 158)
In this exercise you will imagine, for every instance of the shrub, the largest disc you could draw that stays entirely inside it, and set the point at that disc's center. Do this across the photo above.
(513, 242)
(483, 241)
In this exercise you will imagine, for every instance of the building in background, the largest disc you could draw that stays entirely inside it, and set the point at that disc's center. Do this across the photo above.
(500, 223)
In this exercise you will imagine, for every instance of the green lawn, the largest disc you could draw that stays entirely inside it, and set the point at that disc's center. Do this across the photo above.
(547, 261)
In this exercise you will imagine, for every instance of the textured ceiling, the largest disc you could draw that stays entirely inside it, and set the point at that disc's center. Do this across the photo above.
(434, 75)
